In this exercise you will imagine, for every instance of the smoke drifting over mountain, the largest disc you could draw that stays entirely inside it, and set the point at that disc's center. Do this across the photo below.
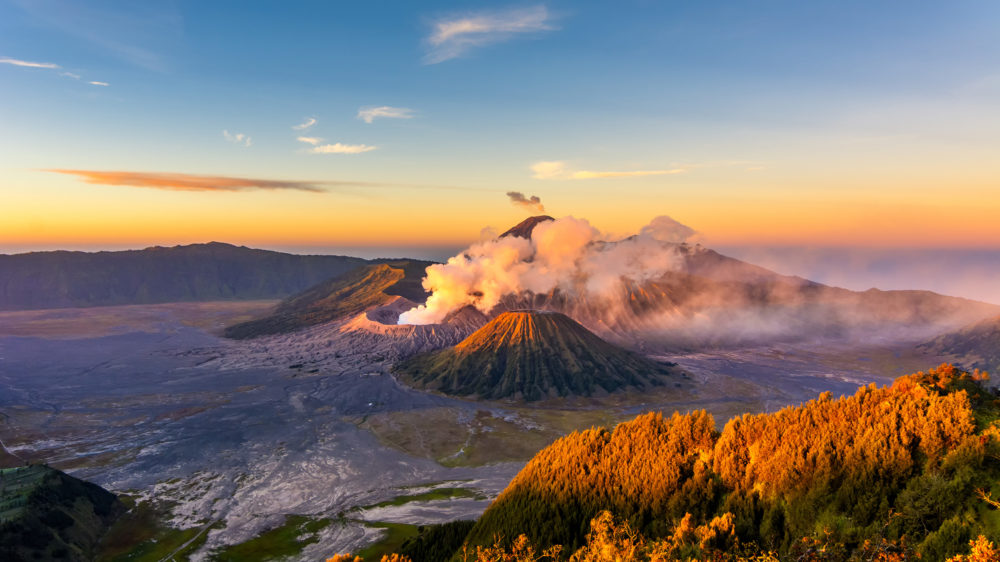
(534, 203)
(566, 254)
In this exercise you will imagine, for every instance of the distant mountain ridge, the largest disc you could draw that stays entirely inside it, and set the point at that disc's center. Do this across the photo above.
(533, 355)
(708, 300)
(977, 346)
(197, 272)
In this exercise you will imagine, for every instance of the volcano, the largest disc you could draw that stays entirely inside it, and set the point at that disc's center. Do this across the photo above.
(524, 228)
(340, 297)
(703, 300)
(709, 300)
(534, 355)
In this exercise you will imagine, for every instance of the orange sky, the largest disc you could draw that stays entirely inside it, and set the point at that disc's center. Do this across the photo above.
(55, 210)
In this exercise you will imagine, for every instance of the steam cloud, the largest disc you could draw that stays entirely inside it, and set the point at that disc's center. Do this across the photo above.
(533, 203)
(567, 254)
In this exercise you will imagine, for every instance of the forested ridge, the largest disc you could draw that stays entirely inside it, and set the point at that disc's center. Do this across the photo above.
(890, 473)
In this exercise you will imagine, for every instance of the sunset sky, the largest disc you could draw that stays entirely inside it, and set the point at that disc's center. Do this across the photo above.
(326, 125)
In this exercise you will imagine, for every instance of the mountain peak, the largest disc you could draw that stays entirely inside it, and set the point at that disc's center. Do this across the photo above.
(525, 227)
(339, 297)
(533, 354)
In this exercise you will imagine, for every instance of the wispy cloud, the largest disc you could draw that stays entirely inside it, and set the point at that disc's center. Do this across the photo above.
(28, 64)
(195, 182)
(310, 140)
(557, 170)
(47, 66)
(368, 114)
(237, 138)
(533, 203)
(96, 83)
(305, 124)
(342, 148)
(189, 182)
(454, 36)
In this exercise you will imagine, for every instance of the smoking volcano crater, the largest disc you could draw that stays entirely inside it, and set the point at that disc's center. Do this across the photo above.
(658, 290)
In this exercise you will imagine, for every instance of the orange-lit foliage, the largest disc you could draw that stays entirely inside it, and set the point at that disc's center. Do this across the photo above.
(610, 540)
(884, 474)
(385, 558)
(982, 551)
(878, 433)
(520, 551)
(395, 558)
(344, 558)
(569, 482)
(827, 549)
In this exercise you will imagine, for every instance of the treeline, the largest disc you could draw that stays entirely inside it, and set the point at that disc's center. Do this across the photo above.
(900, 471)
(901, 463)
(437, 542)
(611, 540)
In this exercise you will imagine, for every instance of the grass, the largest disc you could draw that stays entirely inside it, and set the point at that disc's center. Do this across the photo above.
(431, 495)
(396, 534)
(453, 438)
(287, 540)
(512, 431)
(140, 536)
(431, 484)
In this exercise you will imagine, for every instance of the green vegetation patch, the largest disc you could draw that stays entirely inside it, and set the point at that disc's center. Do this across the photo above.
(453, 437)
(16, 486)
(142, 536)
(289, 539)
(430, 495)
(46, 514)
(396, 534)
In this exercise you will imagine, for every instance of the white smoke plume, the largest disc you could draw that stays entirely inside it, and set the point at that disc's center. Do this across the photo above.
(533, 203)
(566, 254)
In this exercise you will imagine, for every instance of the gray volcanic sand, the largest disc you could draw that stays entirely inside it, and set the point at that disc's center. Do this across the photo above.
(154, 413)
(248, 432)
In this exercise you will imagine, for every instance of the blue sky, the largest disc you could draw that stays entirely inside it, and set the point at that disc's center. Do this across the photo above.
(757, 123)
